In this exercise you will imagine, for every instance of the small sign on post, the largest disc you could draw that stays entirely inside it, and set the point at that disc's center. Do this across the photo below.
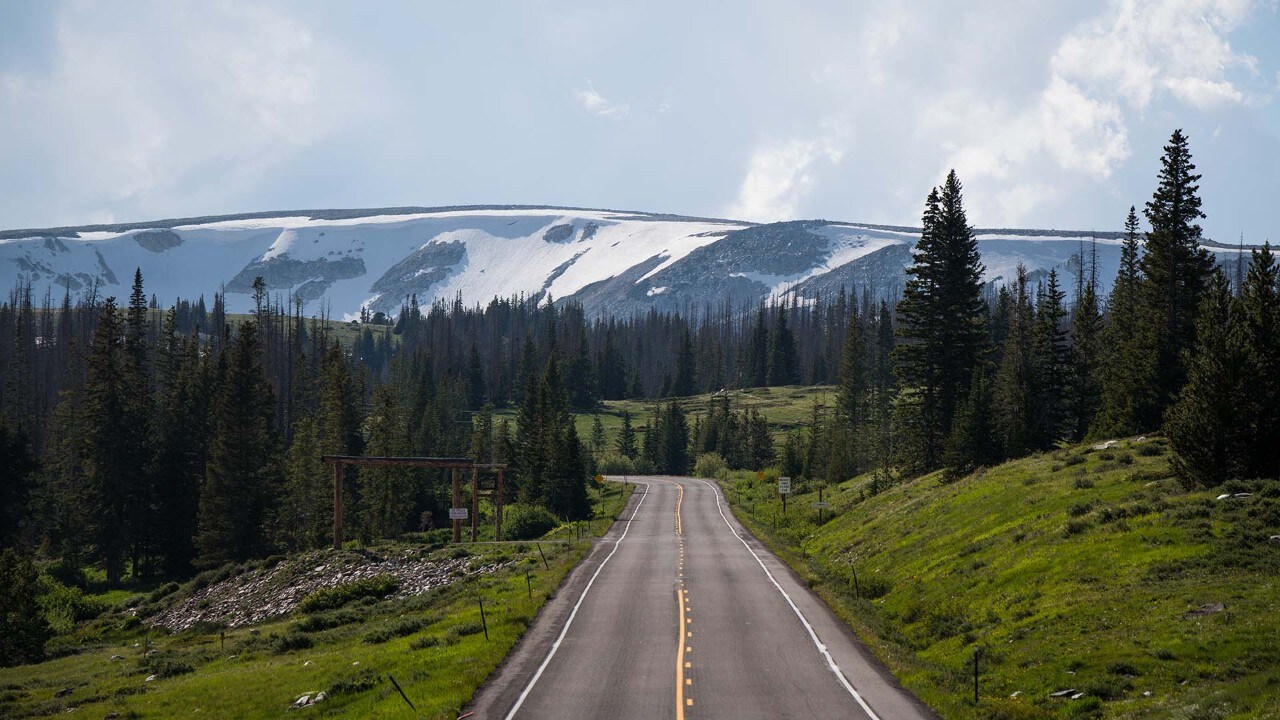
(760, 475)
(458, 513)
(599, 479)
(784, 486)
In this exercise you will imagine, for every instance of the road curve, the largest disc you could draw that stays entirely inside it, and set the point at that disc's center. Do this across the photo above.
(679, 613)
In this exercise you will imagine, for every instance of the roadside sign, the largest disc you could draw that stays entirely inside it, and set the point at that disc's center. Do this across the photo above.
(784, 485)
(457, 513)
(599, 479)
(760, 475)
(819, 505)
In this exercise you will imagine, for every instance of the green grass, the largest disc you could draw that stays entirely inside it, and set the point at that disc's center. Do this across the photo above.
(786, 408)
(434, 645)
(1074, 569)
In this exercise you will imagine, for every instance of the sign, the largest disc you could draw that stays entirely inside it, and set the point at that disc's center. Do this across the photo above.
(599, 479)
(819, 505)
(760, 476)
(457, 513)
(784, 486)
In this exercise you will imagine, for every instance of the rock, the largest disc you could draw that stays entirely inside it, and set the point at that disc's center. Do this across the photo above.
(62, 693)
(1105, 445)
(1140, 438)
(150, 678)
(1146, 693)
(1077, 696)
(255, 631)
(232, 657)
(1206, 609)
(320, 697)
(355, 663)
(1274, 539)
(306, 664)
(116, 657)
(1015, 693)
(1242, 495)
(1062, 693)
(302, 701)
(1223, 496)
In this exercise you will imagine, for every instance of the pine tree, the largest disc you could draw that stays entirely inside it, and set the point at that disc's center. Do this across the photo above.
(783, 367)
(475, 380)
(1260, 325)
(1127, 393)
(307, 505)
(386, 494)
(683, 383)
(1050, 362)
(597, 435)
(972, 443)
(852, 390)
(239, 492)
(16, 483)
(1175, 272)
(942, 319)
(626, 442)
(757, 365)
(675, 440)
(1210, 443)
(108, 451)
(23, 629)
(1013, 393)
(1086, 349)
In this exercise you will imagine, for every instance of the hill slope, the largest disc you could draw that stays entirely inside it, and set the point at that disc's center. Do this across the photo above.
(1088, 570)
(611, 261)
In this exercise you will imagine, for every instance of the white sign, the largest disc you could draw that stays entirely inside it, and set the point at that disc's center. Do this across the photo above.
(457, 513)
(784, 485)
(819, 505)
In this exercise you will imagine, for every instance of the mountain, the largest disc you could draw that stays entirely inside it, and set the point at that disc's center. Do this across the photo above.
(619, 262)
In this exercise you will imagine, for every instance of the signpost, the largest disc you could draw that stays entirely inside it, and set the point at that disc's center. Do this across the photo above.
(599, 479)
(458, 513)
(784, 489)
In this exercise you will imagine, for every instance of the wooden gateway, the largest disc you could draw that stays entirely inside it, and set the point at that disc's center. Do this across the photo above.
(478, 489)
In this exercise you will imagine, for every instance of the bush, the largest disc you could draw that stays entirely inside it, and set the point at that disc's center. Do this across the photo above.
(527, 522)
(401, 628)
(378, 586)
(292, 641)
(326, 621)
(64, 606)
(474, 627)
(351, 685)
(424, 642)
(612, 463)
(166, 667)
(710, 465)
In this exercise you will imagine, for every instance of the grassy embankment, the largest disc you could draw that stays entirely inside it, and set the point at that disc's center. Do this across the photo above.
(1083, 569)
(433, 645)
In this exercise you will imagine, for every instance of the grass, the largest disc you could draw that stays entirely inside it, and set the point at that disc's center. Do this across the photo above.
(1075, 569)
(434, 645)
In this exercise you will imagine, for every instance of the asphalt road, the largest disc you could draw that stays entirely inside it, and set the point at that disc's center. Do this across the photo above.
(679, 613)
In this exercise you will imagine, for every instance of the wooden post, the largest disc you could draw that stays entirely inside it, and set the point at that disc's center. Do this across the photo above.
(456, 502)
(497, 512)
(475, 504)
(337, 506)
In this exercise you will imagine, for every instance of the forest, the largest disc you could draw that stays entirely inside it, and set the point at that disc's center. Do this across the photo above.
(156, 439)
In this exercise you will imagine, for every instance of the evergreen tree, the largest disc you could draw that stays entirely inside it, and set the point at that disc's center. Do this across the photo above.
(783, 368)
(15, 484)
(852, 390)
(386, 493)
(597, 435)
(307, 505)
(1260, 324)
(23, 629)
(1013, 393)
(475, 380)
(1204, 429)
(1050, 362)
(942, 319)
(972, 442)
(1126, 395)
(109, 450)
(239, 492)
(1086, 349)
(626, 442)
(675, 441)
(757, 364)
(683, 383)
(1175, 272)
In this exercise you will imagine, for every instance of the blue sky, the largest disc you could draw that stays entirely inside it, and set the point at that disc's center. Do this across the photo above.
(1054, 114)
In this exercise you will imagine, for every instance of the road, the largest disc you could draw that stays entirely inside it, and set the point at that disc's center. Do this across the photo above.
(679, 613)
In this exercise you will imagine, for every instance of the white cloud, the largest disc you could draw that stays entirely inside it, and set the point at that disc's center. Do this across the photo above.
(596, 104)
(779, 176)
(178, 104)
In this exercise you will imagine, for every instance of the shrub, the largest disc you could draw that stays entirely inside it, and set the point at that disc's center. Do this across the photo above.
(1085, 707)
(65, 606)
(424, 642)
(1079, 509)
(400, 628)
(710, 465)
(1075, 527)
(23, 628)
(292, 641)
(326, 621)
(612, 463)
(527, 522)
(462, 630)
(353, 684)
(378, 586)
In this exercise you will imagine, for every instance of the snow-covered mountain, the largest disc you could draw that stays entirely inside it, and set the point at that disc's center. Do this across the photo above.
(612, 261)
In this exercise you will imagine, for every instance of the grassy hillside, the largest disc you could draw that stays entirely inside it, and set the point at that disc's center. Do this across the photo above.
(1085, 569)
(343, 643)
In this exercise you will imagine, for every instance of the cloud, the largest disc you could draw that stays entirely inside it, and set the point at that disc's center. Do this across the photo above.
(596, 104)
(779, 176)
(177, 104)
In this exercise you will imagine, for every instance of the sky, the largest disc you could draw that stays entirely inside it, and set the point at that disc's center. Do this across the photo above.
(1054, 114)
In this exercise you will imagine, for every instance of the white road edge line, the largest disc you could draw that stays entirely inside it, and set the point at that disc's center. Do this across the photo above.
(831, 663)
(556, 645)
